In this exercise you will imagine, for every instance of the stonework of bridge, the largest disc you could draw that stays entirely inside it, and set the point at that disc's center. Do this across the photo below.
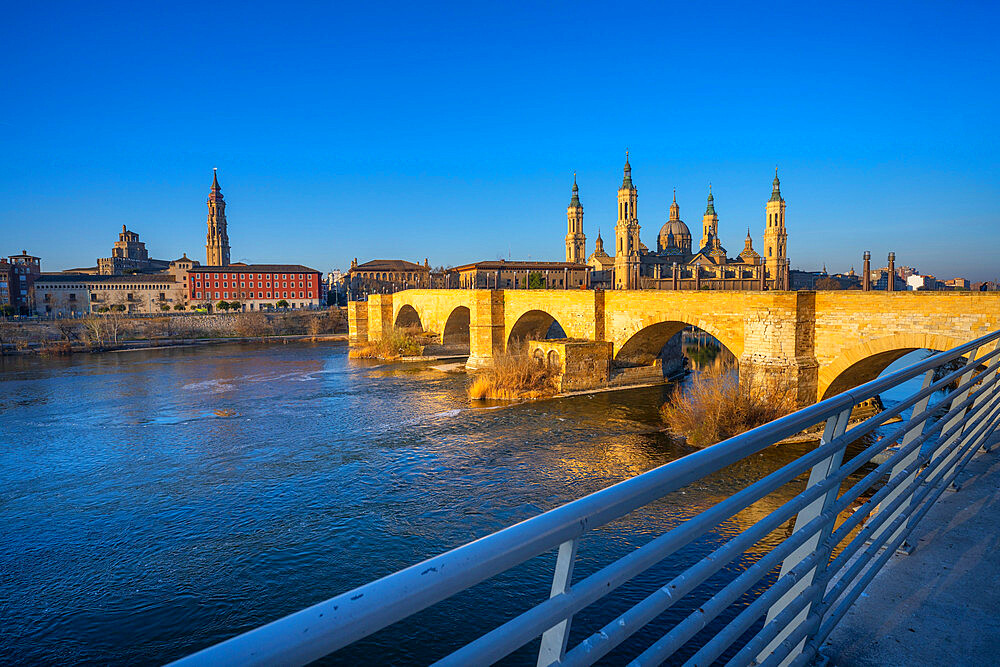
(823, 342)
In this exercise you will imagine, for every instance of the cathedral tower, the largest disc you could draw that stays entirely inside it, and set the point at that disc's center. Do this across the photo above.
(775, 237)
(217, 242)
(709, 222)
(576, 242)
(627, 234)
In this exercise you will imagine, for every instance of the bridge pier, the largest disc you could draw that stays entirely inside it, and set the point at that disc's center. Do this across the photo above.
(357, 322)
(486, 328)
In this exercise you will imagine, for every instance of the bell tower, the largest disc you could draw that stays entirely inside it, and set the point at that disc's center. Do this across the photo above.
(709, 222)
(217, 241)
(576, 242)
(775, 237)
(627, 234)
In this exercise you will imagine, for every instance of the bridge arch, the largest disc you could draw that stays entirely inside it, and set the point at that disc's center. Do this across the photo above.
(534, 325)
(649, 337)
(408, 318)
(865, 362)
(456, 328)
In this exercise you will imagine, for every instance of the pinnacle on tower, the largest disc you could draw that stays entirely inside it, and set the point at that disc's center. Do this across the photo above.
(710, 209)
(575, 200)
(776, 187)
(627, 180)
(675, 210)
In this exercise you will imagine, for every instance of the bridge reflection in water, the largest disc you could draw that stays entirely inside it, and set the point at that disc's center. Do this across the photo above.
(844, 531)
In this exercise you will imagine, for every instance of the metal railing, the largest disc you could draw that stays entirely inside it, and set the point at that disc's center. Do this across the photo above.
(825, 562)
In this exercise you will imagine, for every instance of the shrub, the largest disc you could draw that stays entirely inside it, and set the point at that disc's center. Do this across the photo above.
(56, 348)
(394, 343)
(718, 405)
(179, 306)
(222, 305)
(514, 376)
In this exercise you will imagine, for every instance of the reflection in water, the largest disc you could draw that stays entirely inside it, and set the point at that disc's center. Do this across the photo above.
(157, 502)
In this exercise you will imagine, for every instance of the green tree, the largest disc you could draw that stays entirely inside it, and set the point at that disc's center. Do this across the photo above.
(164, 307)
(179, 306)
(222, 305)
(536, 280)
(8, 310)
(235, 305)
(828, 283)
(282, 304)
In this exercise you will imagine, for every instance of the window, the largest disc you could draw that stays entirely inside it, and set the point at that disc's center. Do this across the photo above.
(93, 297)
(72, 296)
(216, 276)
(216, 295)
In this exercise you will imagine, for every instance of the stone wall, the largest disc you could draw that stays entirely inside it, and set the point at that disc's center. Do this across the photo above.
(581, 364)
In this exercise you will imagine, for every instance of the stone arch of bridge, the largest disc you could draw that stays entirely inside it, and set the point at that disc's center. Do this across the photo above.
(865, 362)
(531, 325)
(407, 317)
(648, 336)
(456, 328)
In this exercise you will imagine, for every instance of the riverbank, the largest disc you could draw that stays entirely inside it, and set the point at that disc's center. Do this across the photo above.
(111, 332)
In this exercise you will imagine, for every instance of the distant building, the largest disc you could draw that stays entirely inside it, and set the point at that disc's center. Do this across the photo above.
(129, 255)
(676, 263)
(255, 286)
(957, 283)
(506, 274)
(923, 283)
(17, 278)
(384, 276)
(986, 286)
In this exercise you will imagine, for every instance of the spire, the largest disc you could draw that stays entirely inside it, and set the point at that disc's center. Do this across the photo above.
(216, 192)
(776, 187)
(574, 202)
(675, 210)
(710, 209)
(627, 180)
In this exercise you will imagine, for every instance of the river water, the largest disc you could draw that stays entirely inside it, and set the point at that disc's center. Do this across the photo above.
(155, 502)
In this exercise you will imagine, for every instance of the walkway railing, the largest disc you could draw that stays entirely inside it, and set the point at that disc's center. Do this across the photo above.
(825, 562)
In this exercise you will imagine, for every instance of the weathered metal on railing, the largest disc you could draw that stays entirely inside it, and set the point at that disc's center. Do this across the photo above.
(812, 592)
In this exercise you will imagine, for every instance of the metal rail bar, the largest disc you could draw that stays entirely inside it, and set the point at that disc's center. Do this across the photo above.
(811, 594)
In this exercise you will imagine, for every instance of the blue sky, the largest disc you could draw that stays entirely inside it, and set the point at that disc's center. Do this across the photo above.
(452, 131)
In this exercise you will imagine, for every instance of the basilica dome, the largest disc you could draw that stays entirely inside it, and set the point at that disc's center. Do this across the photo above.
(674, 230)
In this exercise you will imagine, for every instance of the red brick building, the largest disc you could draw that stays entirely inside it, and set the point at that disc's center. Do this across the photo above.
(255, 286)
(17, 276)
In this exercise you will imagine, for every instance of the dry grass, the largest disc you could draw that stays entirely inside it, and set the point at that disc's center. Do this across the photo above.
(717, 405)
(514, 376)
(395, 343)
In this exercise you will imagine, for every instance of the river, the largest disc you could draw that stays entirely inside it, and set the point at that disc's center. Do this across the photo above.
(156, 502)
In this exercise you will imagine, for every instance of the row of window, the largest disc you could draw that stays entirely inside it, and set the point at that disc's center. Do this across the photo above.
(245, 295)
(225, 285)
(250, 276)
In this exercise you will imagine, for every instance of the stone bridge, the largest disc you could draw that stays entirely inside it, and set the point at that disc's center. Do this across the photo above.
(824, 342)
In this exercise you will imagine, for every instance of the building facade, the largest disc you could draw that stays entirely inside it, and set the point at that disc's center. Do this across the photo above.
(385, 276)
(217, 239)
(18, 274)
(255, 286)
(70, 295)
(676, 264)
(505, 274)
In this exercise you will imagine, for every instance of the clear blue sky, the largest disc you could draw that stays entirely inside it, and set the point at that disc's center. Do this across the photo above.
(452, 132)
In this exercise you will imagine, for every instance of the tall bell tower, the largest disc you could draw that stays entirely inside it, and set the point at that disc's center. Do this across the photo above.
(217, 241)
(775, 237)
(576, 242)
(627, 234)
(709, 221)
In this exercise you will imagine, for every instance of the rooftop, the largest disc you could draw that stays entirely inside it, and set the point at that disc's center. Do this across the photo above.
(254, 268)
(519, 265)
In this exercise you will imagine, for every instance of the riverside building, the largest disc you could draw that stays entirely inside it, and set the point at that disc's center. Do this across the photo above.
(255, 286)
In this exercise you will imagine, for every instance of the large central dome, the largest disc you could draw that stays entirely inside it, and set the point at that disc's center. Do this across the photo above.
(674, 230)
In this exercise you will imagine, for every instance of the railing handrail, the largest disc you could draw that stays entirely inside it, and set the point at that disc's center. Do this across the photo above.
(349, 616)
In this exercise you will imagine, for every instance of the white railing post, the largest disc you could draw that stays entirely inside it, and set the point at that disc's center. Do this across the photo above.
(956, 420)
(912, 434)
(554, 639)
(835, 427)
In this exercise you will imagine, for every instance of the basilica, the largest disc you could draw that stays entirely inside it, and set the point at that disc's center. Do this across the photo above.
(676, 264)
